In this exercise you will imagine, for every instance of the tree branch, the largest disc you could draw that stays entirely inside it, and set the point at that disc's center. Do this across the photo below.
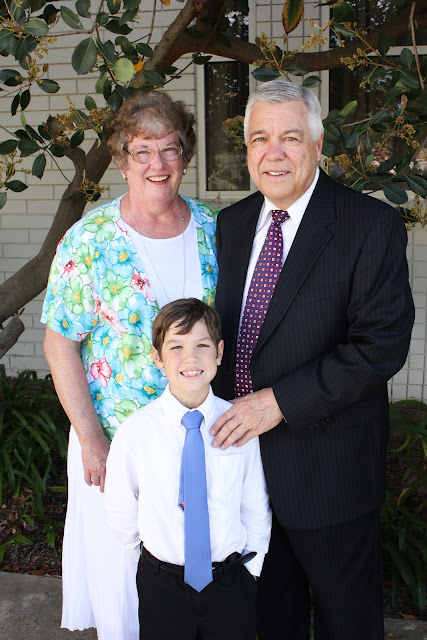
(314, 61)
(10, 335)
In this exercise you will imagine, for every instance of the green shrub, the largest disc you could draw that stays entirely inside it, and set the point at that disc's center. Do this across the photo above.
(404, 533)
(33, 437)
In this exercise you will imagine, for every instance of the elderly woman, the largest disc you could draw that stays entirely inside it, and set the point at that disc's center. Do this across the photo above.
(112, 272)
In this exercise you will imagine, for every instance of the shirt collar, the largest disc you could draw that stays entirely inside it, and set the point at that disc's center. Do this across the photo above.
(176, 410)
(295, 211)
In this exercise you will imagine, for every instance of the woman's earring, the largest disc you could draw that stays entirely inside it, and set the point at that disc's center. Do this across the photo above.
(185, 171)
(124, 176)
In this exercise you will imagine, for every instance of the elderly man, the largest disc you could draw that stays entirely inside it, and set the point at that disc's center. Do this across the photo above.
(317, 315)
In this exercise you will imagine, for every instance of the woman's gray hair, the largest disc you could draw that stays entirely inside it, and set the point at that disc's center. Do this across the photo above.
(282, 91)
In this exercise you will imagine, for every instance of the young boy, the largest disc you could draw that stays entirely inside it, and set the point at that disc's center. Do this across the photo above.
(201, 513)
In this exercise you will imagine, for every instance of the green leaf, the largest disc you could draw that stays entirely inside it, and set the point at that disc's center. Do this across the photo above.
(115, 100)
(394, 193)
(296, 69)
(128, 16)
(113, 6)
(71, 19)
(292, 14)
(392, 95)
(27, 46)
(124, 91)
(36, 5)
(348, 109)
(57, 150)
(48, 86)
(3, 199)
(82, 8)
(77, 138)
(44, 133)
(199, 59)
(39, 165)
(423, 96)
(25, 99)
(328, 149)
(343, 12)
(369, 160)
(263, 74)
(114, 26)
(409, 79)
(332, 135)
(388, 164)
(16, 185)
(144, 49)
(129, 50)
(8, 146)
(15, 104)
(27, 147)
(107, 88)
(417, 184)
(342, 31)
(380, 117)
(153, 77)
(90, 103)
(84, 56)
(102, 18)
(107, 50)
(131, 4)
(36, 27)
(368, 144)
(406, 57)
(311, 81)
(10, 77)
(123, 70)
(5, 38)
(383, 43)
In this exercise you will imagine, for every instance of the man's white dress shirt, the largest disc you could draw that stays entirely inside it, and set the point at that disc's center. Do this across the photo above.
(142, 486)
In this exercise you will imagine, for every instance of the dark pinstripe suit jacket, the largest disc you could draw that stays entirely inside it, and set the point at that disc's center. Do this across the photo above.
(337, 328)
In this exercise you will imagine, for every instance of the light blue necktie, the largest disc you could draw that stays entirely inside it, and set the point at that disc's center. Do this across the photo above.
(193, 495)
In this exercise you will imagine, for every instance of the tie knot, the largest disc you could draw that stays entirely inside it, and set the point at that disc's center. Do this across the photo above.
(192, 420)
(279, 216)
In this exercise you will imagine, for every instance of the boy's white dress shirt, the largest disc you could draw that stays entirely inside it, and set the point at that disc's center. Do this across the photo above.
(142, 486)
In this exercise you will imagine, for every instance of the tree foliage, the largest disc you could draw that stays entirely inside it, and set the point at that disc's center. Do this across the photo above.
(116, 51)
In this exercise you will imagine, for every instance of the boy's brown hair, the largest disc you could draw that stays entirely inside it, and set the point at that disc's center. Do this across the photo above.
(185, 312)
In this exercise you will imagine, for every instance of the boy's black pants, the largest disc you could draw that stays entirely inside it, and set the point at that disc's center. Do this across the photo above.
(169, 609)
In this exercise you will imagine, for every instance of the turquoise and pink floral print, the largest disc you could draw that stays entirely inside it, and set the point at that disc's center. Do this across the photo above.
(98, 294)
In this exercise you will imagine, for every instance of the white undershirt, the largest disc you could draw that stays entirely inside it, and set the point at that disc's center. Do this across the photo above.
(166, 263)
(142, 486)
(289, 231)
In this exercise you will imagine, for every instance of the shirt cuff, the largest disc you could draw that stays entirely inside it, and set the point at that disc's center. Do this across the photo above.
(254, 566)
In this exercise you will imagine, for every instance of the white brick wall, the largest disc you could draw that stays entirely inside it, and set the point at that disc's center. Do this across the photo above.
(27, 217)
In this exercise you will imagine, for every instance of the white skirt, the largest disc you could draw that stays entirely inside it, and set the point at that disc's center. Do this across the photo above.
(98, 572)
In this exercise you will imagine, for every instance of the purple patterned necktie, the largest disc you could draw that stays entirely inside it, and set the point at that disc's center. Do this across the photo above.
(264, 279)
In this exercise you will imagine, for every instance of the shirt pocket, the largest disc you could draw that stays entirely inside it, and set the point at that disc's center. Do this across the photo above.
(225, 479)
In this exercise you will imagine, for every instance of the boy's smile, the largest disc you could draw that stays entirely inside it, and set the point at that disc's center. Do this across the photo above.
(190, 362)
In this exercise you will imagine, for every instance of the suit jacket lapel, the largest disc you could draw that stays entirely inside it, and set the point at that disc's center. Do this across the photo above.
(310, 240)
(239, 256)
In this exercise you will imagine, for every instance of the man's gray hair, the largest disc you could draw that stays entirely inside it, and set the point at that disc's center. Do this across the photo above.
(282, 91)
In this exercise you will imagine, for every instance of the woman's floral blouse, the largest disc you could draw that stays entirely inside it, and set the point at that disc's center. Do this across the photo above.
(98, 294)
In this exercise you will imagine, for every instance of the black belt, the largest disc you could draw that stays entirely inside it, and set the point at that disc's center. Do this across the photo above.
(217, 567)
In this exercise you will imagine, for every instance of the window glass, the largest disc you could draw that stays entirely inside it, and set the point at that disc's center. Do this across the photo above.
(226, 94)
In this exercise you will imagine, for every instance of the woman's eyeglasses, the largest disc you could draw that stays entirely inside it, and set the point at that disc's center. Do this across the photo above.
(144, 155)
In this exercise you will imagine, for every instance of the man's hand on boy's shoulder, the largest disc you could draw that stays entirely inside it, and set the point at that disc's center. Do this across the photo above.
(249, 416)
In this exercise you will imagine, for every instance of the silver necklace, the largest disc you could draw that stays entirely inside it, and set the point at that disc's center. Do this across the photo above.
(145, 251)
